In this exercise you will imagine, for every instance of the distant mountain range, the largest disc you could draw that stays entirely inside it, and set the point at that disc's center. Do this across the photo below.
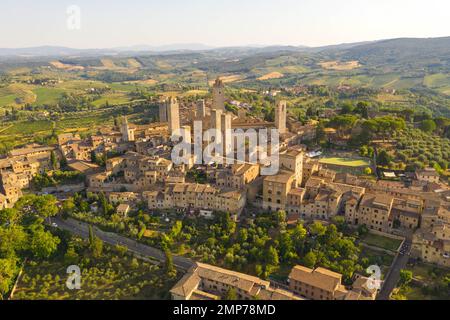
(44, 51)
(402, 48)
(65, 51)
(165, 48)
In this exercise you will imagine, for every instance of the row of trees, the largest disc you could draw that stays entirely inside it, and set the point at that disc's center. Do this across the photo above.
(366, 130)
(56, 178)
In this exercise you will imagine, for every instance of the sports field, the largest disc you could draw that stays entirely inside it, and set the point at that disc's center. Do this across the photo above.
(348, 162)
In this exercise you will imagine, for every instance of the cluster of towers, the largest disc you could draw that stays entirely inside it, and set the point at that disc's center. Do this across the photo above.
(219, 118)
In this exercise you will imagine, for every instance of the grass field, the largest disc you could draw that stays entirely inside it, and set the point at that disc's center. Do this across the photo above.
(381, 242)
(439, 82)
(16, 94)
(339, 65)
(81, 85)
(133, 63)
(271, 75)
(112, 99)
(228, 79)
(62, 66)
(28, 127)
(189, 93)
(8, 99)
(348, 162)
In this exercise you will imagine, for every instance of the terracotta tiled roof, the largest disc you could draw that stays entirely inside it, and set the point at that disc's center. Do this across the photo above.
(320, 278)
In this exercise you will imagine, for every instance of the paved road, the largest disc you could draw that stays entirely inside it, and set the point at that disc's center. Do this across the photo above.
(82, 229)
(394, 275)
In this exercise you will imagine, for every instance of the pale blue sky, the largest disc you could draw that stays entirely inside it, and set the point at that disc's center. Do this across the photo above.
(106, 23)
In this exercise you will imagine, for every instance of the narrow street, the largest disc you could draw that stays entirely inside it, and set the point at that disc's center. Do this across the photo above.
(393, 277)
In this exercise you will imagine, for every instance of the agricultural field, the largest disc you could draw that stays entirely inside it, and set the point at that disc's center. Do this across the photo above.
(114, 275)
(28, 127)
(66, 67)
(419, 149)
(22, 132)
(340, 65)
(228, 79)
(16, 94)
(112, 99)
(439, 82)
(46, 95)
(272, 75)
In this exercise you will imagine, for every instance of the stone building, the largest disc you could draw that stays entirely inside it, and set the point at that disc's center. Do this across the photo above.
(197, 196)
(280, 116)
(324, 284)
(173, 115)
(276, 189)
(207, 282)
(218, 92)
(127, 131)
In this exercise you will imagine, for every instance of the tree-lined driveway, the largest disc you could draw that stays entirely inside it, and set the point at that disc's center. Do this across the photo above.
(82, 229)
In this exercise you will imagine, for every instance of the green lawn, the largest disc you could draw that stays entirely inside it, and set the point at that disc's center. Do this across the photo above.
(381, 242)
(47, 95)
(348, 162)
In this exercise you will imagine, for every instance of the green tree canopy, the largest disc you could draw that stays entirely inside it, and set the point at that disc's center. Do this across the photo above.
(406, 277)
(43, 206)
(428, 126)
(383, 158)
(43, 244)
(310, 259)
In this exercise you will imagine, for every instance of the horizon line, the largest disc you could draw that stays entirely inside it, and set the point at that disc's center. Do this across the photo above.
(213, 47)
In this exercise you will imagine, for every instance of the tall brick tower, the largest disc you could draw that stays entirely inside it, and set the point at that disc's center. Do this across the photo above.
(127, 132)
(280, 116)
(173, 114)
(201, 109)
(163, 111)
(218, 95)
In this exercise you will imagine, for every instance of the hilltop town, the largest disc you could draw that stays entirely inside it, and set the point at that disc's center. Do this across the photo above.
(126, 170)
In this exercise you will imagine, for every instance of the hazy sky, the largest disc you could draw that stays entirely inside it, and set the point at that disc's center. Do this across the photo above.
(106, 23)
